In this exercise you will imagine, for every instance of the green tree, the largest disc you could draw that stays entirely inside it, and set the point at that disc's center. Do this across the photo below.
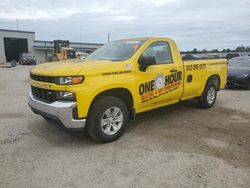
(240, 49)
(195, 51)
(204, 51)
(215, 50)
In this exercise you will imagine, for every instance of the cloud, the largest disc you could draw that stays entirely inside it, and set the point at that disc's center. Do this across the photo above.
(45, 10)
(126, 18)
(193, 23)
(158, 2)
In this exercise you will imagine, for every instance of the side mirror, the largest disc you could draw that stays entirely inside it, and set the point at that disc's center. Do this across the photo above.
(145, 62)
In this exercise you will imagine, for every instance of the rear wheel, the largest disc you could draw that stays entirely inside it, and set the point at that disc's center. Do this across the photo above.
(107, 119)
(208, 97)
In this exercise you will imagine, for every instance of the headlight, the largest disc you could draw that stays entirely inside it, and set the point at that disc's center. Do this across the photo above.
(242, 76)
(65, 95)
(70, 80)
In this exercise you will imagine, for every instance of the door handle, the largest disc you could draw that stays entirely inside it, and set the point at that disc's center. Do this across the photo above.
(173, 70)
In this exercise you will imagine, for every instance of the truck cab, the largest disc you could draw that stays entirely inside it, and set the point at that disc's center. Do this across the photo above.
(118, 81)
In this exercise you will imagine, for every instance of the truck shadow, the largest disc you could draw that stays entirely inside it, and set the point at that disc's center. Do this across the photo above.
(156, 116)
(58, 135)
(182, 127)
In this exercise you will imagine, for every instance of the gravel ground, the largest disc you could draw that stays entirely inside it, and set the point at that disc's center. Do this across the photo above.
(176, 146)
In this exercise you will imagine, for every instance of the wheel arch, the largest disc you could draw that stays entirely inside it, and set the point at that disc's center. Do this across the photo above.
(217, 80)
(123, 94)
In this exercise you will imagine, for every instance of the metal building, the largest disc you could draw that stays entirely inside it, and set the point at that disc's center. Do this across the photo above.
(13, 43)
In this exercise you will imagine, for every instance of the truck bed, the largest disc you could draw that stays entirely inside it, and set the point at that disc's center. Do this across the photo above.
(199, 71)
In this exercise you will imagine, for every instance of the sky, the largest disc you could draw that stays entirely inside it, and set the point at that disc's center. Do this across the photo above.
(202, 24)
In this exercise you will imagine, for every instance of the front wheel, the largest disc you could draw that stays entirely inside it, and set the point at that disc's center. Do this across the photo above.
(209, 95)
(107, 119)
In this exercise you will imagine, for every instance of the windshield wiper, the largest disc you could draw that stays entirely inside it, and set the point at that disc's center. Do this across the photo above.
(112, 59)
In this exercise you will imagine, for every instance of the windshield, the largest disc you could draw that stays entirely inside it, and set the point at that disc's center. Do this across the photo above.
(117, 51)
(239, 62)
(26, 55)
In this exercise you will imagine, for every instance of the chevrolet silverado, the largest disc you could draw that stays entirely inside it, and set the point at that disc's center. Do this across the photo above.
(119, 80)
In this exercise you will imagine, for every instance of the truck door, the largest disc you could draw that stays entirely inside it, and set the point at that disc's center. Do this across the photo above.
(159, 84)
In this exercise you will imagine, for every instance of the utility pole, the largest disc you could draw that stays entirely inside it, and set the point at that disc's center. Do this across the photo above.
(108, 37)
(17, 24)
(80, 37)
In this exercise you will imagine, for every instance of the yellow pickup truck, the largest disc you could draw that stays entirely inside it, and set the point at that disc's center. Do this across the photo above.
(118, 81)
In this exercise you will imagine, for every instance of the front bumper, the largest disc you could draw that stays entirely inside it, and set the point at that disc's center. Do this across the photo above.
(27, 62)
(62, 111)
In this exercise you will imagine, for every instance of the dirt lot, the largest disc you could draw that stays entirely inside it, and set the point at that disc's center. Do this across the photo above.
(177, 146)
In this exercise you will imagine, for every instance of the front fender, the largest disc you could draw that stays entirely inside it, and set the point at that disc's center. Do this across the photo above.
(86, 95)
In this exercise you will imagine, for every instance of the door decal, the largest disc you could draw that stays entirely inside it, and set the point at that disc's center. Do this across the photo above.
(159, 86)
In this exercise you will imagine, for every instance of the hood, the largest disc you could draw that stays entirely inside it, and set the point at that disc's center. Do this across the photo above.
(27, 57)
(236, 71)
(71, 68)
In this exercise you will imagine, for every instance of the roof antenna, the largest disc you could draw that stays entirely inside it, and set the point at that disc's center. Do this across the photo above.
(17, 24)
(81, 38)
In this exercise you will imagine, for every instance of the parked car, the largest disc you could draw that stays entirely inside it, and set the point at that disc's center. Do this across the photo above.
(239, 72)
(27, 59)
(232, 55)
(189, 57)
(118, 81)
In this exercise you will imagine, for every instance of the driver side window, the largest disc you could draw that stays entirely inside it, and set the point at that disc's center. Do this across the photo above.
(160, 51)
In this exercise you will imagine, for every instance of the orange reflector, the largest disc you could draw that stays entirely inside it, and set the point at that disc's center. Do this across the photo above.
(76, 80)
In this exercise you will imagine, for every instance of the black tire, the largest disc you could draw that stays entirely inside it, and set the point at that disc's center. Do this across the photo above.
(96, 113)
(203, 100)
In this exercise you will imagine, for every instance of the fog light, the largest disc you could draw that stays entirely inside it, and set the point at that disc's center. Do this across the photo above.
(65, 95)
